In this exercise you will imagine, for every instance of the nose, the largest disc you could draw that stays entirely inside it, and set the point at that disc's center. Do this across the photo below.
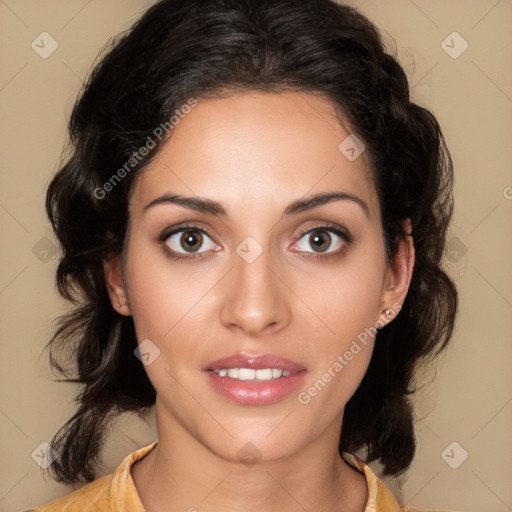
(255, 300)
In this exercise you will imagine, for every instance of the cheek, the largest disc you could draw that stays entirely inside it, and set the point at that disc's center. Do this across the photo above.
(162, 293)
(167, 305)
(342, 357)
(346, 298)
(347, 303)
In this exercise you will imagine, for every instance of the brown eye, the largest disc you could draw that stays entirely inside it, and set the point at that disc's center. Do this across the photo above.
(320, 240)
(191, 241)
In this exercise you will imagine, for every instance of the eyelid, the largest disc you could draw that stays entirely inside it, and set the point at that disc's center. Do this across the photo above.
(326, 226)
(187, 226)
(184, 256)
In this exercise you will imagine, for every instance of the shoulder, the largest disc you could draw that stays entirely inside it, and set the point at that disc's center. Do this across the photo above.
(92, 497)
(380, 497)
(408, 509)
(109, 493)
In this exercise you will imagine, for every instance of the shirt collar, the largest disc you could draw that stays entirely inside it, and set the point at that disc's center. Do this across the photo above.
(124, 497)
(380, 498)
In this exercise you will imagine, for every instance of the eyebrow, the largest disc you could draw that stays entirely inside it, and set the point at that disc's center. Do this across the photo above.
(214, 208)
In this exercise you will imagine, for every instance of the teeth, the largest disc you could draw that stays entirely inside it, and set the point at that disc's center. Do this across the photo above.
(233, 373)
(246, 374)
(266, 374)
(250, 374)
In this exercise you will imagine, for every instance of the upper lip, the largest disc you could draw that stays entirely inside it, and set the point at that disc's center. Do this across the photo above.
(256, 362)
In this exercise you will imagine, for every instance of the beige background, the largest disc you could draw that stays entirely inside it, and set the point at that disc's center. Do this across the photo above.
(469, 401)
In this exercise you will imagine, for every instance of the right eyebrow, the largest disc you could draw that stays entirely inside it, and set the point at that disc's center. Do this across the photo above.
(193, 203)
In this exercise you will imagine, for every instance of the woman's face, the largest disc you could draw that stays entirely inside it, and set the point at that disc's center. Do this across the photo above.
(241, 279)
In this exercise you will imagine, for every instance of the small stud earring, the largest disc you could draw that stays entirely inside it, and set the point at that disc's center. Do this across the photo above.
(387, 312)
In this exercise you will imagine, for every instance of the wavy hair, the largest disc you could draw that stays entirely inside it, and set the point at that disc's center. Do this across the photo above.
(204, 49)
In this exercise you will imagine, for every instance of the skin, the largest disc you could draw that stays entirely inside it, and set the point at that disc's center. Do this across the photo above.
(255, 154)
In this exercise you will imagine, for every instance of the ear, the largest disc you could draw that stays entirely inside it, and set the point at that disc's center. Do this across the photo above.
(113, 268)
(398, 277)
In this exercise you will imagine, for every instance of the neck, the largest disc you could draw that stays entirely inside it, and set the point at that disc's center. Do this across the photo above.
(180, 473)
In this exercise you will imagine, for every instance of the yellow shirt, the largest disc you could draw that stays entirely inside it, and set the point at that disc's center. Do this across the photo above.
(117, 492)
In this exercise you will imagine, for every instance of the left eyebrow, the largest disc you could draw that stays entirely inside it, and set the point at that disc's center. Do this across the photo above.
(214, 208)
(302, 205)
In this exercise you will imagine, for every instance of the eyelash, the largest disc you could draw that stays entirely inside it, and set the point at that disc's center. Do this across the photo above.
(332, 228)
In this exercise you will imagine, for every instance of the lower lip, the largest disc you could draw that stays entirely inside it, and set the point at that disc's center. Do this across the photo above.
(255, 392)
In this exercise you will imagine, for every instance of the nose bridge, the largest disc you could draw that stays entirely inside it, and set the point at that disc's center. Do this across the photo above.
(254, 300)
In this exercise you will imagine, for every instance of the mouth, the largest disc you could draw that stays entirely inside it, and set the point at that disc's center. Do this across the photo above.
(254, 379)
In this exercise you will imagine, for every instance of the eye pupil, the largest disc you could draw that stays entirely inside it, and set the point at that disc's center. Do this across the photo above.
(321, 241)
(194, 240)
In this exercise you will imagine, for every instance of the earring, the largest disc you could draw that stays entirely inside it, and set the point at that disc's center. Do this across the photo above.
(382, 323)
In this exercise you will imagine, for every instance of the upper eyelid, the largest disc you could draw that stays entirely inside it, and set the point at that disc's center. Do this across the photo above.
(338, 230)
(186, 227)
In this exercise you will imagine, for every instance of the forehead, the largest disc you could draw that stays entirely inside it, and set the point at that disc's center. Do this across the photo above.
(257, 148)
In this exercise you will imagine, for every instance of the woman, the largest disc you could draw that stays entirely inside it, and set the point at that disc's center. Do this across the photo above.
(252, 221)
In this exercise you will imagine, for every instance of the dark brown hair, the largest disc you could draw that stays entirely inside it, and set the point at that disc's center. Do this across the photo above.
(181, 49)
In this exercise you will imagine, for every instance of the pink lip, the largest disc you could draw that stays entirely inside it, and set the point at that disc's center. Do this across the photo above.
(255, 392)
(256, 362)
